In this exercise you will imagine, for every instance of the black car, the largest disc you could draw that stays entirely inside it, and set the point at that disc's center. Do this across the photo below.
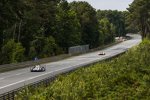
(38, 68)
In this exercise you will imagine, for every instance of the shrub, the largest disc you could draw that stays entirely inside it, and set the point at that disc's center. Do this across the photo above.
(125, 77)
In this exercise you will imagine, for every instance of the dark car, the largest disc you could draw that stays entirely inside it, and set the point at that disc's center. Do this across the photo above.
(38, 68)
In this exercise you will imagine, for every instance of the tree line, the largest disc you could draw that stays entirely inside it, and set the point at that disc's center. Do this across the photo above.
(44, 28)
(139, 16)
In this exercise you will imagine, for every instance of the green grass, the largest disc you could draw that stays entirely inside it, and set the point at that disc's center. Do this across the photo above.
(124, 78)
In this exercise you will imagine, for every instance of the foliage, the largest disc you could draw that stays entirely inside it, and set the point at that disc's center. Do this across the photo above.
(68, 27)
(117, 18)
(125, 77)
(12, 52)
(50, 47)
(25, 21)
(129, 26)
(140, 16)
(88, 21)
(49, 27)
(108, 31)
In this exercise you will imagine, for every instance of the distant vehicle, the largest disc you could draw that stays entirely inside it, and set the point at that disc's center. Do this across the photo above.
(38, 68)
(101, 53)
(120, 39)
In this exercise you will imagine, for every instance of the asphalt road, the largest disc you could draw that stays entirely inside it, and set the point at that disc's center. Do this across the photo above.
(14, 79)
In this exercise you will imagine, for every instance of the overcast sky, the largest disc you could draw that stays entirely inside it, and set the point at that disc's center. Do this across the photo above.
(120, 5)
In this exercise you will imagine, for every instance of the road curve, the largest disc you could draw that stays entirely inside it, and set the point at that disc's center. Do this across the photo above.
(14, 79)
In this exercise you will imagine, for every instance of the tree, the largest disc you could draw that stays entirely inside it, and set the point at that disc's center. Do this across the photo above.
(40, 21)
(50, 47)
(107, 30)
(130, 27)
(12, 52)
(68, 27)
(36, 46)
(43, 47)
(117, 18)
(10, 19)
(89, 23)
(140, 15)
(46, 28)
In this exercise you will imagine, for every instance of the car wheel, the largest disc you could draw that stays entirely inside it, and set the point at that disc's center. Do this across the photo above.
(43, 69)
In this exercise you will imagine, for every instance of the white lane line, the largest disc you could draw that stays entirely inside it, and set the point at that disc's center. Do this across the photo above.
(12, 84)
(44, 74)
(38, 76)
(14, 74)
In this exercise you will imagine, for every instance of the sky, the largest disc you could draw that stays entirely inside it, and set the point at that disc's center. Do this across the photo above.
(120, 5)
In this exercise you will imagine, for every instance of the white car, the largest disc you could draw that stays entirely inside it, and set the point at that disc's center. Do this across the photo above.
(38, 68)
(101, 53)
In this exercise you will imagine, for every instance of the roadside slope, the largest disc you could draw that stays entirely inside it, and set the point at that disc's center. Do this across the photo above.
(9, 81)
(125, 77)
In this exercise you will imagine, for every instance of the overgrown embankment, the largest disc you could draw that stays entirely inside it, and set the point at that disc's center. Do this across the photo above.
(125, 77)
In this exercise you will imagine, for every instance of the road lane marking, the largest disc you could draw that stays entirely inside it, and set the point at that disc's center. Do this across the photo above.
(47, 73)
(55, 71)
(12, 84)
(39, 76)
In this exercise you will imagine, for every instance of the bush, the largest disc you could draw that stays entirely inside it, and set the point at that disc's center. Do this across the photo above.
(125, 77)
(12, 52)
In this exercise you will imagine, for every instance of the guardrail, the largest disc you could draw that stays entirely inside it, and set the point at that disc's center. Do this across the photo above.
(11, 94)
(7, 67)
(44, 82)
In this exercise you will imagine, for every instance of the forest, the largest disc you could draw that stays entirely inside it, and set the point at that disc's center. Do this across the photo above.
(45, 28)
(126, 77)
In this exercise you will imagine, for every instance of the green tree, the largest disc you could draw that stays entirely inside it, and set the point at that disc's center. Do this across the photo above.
(10, 19)
(130, 27)
(117, 18)
(107, 29)
(140, 15)
(50, 47)
(45, 28)
(43, 47)
(40, 19)
(89, 24)
(68, 27)
(12, 52)
(36, 47)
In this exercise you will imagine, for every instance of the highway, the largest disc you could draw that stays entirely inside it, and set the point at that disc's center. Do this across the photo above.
(17, 78)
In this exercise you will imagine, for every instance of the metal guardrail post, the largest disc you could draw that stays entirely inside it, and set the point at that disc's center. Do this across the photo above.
(13, 95)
